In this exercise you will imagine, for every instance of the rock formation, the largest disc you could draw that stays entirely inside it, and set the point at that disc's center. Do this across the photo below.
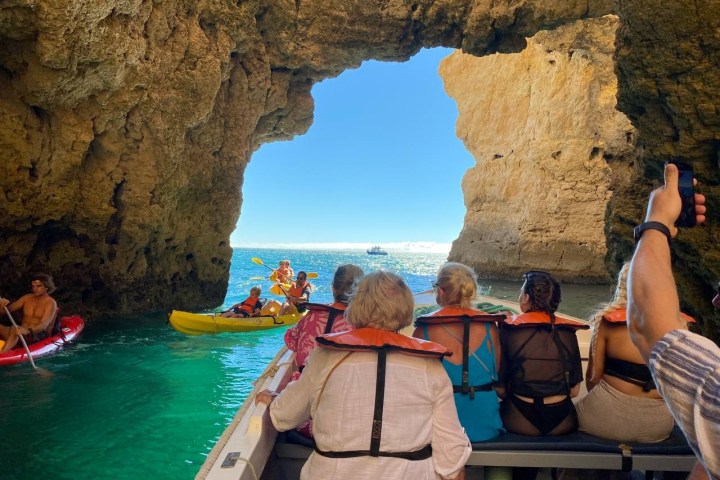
(126, 126)
(550, 147)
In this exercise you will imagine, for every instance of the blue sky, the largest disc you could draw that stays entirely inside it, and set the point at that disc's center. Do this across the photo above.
(381, 164)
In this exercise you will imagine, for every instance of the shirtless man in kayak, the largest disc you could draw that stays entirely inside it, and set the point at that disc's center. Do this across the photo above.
(38, 310)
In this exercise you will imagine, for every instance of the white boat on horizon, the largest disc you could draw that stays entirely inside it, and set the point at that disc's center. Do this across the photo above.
(376, 250)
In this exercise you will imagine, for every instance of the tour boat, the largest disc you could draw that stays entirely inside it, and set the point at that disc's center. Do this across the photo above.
(376, 250)
(70, 328)
(206, 323)
(251, 448)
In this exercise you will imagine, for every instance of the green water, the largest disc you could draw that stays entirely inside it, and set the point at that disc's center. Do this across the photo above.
(133, 399)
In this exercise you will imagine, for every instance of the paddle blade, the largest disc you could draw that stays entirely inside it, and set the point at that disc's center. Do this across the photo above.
(257, 260)
(312, 275)
(275, 289)
(255, 279)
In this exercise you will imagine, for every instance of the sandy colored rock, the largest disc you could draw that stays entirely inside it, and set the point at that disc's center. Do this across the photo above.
(543, 127)
(126, 126)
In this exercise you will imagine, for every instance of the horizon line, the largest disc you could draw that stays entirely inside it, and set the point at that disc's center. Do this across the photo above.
(415, 247)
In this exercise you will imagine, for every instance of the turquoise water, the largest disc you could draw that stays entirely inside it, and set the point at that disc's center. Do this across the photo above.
(132, 398)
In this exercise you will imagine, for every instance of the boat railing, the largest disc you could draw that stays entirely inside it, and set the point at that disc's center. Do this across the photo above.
(243, 450)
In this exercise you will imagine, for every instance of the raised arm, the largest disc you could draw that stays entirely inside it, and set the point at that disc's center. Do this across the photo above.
(653, 305)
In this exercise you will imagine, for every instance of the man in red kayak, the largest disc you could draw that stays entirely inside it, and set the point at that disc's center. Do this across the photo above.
(38, 310)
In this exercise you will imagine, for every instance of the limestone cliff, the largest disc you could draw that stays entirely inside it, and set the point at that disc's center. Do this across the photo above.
(126, 126)
(550, 147)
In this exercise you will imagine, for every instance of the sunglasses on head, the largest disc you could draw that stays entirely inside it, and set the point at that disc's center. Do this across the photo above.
(536, 273)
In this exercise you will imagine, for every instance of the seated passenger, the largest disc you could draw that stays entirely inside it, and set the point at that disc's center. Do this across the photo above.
(540, 369)
(297, 295)
(323, 319)
(283, 274)
(381, 402)
(472, 336)
(38, 311)
(250, 307)
(623, 403)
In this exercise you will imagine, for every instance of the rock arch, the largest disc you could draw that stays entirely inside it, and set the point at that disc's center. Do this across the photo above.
(129, 125)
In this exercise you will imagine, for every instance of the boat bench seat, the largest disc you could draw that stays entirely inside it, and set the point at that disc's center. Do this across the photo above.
(577, 450)
(581, 450)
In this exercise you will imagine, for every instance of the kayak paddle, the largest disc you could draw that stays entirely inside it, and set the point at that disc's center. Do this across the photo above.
(41, 371)
(260, 262)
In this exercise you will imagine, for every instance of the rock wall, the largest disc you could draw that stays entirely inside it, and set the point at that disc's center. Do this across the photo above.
(550, 147)
(668, 69)
(126, 126)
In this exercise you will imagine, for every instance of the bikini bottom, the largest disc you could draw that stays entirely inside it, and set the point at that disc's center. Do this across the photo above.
(539, 418)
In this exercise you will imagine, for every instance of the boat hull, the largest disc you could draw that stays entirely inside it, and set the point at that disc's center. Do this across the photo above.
(71, 327)
(205, 324)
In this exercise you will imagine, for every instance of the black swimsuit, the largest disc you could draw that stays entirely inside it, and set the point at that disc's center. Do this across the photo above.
(635, 373)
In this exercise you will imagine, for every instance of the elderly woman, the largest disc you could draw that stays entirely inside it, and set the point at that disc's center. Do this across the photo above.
(381, 402)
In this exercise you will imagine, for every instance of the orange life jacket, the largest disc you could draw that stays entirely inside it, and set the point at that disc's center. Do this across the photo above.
(620, 316)
(562, 371)
(456, 314)
(368, 338)
(466, 316)
(296, 291)
(248, 305)
(382, 342)
(532, 319)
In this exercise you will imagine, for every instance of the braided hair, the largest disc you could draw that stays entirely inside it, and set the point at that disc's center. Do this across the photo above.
(544, 293)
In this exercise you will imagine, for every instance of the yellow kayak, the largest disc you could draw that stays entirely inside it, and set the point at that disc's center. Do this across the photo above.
(204, 323)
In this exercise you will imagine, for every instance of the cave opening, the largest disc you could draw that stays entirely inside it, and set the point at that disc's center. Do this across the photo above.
(381, 164)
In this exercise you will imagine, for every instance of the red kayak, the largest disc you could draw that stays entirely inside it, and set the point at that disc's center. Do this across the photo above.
(71, 327)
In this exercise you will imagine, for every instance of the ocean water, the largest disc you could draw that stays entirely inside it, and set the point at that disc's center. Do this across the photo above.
(132, 398)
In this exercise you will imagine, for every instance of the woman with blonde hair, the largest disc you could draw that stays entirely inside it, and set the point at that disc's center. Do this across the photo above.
(623, 403)
(381, 402)
(472, 336)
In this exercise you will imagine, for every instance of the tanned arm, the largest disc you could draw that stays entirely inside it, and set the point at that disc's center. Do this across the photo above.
(653, 305)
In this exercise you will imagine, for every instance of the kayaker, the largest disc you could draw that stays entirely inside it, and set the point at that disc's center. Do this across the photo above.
(283, 274)
(381, 402)
(250, 307)
(38, 311)
(297, 295)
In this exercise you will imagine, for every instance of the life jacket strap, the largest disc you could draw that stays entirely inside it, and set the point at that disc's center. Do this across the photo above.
(422, 454)
(467, 390)
(376, 432)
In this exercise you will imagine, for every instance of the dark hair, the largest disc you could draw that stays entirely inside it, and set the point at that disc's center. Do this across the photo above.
(46, 280)
(343, 281)
(544, 292)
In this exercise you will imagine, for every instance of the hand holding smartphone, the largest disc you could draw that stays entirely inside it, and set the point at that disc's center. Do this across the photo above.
(687, 195)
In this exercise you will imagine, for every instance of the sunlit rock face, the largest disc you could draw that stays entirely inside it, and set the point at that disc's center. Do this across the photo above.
(126, 126)
(550, 146)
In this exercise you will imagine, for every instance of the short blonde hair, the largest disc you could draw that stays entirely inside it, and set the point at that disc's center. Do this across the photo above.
(459, 283)
(381, 300)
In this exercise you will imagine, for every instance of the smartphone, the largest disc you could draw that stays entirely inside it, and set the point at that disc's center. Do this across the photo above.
(687, 195)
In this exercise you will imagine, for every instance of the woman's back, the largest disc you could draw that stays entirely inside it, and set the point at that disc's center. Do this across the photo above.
(618, 346)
